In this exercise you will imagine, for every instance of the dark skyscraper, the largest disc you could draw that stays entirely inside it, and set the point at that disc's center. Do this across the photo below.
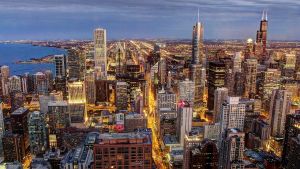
(261, 36)
(216, 79)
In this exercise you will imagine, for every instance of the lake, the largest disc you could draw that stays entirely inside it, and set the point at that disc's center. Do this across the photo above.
(11, 53)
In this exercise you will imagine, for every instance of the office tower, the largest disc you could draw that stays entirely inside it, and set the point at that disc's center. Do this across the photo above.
(14, 84)
(49, 77)
(187, 91)
(166, 100)
(261, 36)
(191, 140)
(90, 87)
(279, 108)
(60, 66)
(41, 85)
(220, 96)
(123, 150)
(17, 100)
(75, 64)
(24, 83)
(232, 149)
(185, 117)
(58, 115)
(239, 87)
(105, 90)
(100, 53)
(30, 83)
(291, 156)
(204, 156)
(197, 43)
(216, 79)
(122, 96)
(37, 132)
(232, 114)
(135, 121)
(162, 71)
(4, 80)
(120, 58)
(250, 73)
(212, 131)
(13, 148)
(19, 119)
(77, 101)
(169, 80)
(1, 127)
(237, 62)
(249, 48)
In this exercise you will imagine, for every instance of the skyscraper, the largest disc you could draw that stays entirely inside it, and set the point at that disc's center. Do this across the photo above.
(14, 84)
(60, 65)
(77, 102)
(41, 85)
(250, 73)
(37, 132)
(13, 148)
(122, 97)
(90, 87)
(1, 126)
(76, 64)
(216, 79)
(187, 91)
(100, 53)
(261, 36)
(220, 96)
(185, 118)
(197, 43)
(4, 80)
(279, 108)
(58, 116)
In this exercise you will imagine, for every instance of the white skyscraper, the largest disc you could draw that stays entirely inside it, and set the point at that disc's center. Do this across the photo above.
(1, 127)
(4, 79)
(185, 117)
(187, 91)
(100, 53)
(279, 108)
(221, 95)
(14, 84)
(233, 114)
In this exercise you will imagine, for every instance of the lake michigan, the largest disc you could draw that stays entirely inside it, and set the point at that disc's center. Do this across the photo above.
(11, 53)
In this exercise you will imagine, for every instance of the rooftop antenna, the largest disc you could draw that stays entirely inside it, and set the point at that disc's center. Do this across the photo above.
(198, 15)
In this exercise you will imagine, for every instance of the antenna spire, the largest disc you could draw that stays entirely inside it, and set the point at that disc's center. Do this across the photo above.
(266, 15)
(198, 15)
(263, 15)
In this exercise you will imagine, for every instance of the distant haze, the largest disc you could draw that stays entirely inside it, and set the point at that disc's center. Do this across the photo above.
(76, 19)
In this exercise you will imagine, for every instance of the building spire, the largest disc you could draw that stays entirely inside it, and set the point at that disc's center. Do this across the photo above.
(198, 16)
(264, 15)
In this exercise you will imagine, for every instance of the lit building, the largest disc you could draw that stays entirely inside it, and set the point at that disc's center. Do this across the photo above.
(250, 72)
(13, 148)
(58, 115)
(261, 36)
(184, 117)
(187, 91)
(123, 150)
(90, 87)
(4, 79)
(166, 100)
(75, 64)
(17, 100)
(212, 131)
(19, 120)
(37, 132)
(122, 96)
(14, 84)
(120, 58)
(220, 96)
(1, 127)
(41, 85)
(232, 115)
(77, 102)
(162, 71)
(60, 65)
(232, 150)
(290, 158)
(279, 108)
(100, 53)
(81, 158)
(134, 121)
(204, 156)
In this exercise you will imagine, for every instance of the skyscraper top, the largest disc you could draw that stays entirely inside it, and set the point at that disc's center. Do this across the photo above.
(264, 16)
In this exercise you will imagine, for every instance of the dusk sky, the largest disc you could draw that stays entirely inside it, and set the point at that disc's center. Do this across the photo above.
(76, 19)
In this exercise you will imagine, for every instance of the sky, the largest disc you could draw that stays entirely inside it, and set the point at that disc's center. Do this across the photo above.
(171, 19)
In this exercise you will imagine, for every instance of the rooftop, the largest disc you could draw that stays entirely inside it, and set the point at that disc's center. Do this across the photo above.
(19, 111)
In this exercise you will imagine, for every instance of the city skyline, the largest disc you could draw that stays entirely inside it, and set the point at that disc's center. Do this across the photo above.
(73, 19)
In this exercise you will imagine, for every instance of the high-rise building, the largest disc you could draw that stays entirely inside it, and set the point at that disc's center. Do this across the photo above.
(279, 108)
(187, 91)
(162, 71)
(197, 43)
(166, 100)
(120, 58)
(232, 114)
(290, 158)
(13, 148)
(1, 126)
(4, 80)
(250, 73)
(37, 132)
(220, 96)
(216, 79)
(19, 119)
(77, 102)
(14, 84)
(185, 117)
(41, 85)
(60, 66)
(204, 156)
(134, 121)
(90, 87)
(123, 150)
(261, 36)
(76, 64)
(17, 100)
(58, 116)
(232, 149)
(122, 97)
(100, 53)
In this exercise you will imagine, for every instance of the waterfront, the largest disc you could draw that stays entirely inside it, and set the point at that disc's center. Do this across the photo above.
(11, 53)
